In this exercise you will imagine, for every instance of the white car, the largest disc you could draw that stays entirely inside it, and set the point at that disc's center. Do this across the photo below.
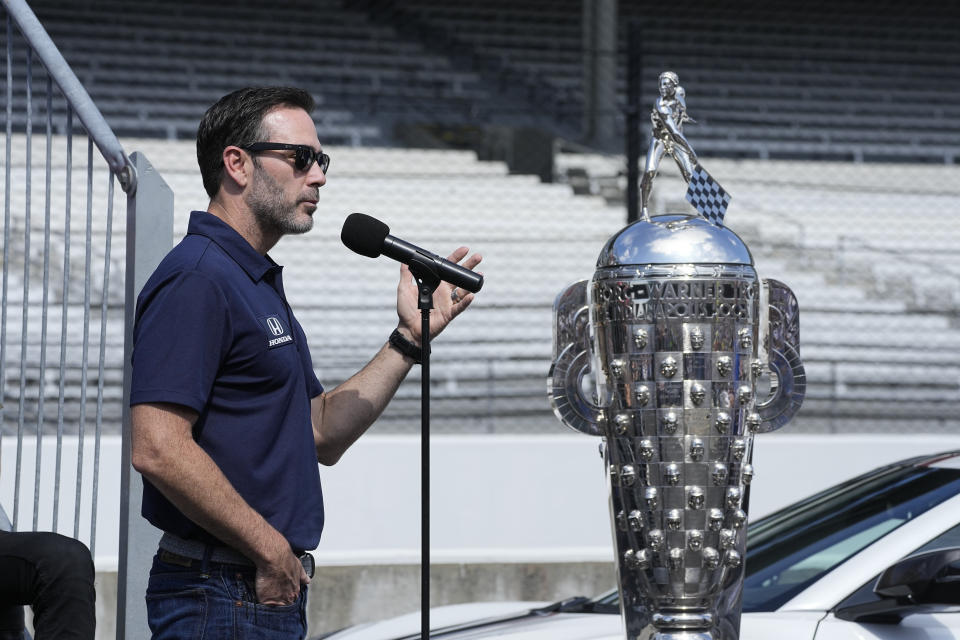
(876, 557)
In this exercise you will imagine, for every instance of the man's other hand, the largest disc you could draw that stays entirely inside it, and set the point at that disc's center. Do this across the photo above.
(278, 582)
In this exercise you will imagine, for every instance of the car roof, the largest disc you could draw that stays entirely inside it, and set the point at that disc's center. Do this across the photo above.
(946, 460)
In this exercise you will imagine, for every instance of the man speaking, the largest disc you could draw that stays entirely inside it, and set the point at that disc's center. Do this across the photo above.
(229, 419)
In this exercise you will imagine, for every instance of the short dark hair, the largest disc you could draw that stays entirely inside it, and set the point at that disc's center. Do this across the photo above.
(237, 119)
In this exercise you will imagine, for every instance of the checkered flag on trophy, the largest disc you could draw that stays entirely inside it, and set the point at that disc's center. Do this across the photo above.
(707, 196)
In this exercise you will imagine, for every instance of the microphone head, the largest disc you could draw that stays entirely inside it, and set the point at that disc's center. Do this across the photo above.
(364, 234)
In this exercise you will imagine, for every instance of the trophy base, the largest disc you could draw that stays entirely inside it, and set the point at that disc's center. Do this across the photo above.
(684, 626)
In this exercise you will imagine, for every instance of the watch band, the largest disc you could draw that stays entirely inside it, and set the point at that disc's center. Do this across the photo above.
(404, 346)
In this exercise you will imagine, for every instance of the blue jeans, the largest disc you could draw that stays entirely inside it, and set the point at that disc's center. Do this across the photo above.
(216, 603)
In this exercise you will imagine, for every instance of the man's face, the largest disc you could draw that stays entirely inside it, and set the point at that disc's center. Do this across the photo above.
(667, 87)
(282, 198)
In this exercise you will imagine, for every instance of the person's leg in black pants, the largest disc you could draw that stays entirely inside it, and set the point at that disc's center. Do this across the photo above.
(54, 575)
(11, 619)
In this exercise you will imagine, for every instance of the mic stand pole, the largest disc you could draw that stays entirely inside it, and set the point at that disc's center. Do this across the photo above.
(427, 282)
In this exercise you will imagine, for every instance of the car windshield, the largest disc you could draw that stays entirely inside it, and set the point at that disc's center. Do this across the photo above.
(792, 548)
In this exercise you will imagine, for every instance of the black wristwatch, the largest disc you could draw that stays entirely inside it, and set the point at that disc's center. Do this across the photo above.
(308, 563)
(404, 346)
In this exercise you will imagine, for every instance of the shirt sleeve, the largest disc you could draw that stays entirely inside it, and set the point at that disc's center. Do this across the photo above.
(181, 336)
(314, 388)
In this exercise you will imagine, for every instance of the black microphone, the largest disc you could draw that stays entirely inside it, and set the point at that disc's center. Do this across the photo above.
(369, 237)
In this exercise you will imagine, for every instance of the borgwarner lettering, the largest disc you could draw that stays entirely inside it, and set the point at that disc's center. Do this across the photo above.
(629, 301)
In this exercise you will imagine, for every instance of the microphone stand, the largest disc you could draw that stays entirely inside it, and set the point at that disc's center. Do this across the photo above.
(424, 272)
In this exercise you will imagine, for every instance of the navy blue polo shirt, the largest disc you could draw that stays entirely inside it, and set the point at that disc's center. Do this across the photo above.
(214, 332)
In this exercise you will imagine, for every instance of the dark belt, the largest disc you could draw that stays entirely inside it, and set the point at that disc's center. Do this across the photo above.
(191, 554)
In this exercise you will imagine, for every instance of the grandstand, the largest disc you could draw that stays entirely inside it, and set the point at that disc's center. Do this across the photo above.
(834, 125)
(843, 80)
(835, 231)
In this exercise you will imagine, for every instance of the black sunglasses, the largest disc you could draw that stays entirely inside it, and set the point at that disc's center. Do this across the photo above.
(303, 156)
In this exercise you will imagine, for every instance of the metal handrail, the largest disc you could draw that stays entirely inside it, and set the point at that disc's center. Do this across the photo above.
(94, 122)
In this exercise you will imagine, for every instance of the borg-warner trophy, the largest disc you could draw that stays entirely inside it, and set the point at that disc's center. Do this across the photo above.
(680, 335)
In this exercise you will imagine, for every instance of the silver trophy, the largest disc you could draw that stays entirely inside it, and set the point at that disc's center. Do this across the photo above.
(676, 353)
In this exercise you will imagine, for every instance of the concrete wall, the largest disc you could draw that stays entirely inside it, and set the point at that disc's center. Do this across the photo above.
(512, 517)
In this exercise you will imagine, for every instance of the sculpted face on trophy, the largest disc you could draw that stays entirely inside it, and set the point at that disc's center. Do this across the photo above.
(677, 329)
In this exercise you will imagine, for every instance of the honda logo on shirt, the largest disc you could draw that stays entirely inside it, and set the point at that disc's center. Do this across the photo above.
(275, 326)
(277, 334)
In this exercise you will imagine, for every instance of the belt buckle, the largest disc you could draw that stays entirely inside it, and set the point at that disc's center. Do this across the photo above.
(308, 564)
